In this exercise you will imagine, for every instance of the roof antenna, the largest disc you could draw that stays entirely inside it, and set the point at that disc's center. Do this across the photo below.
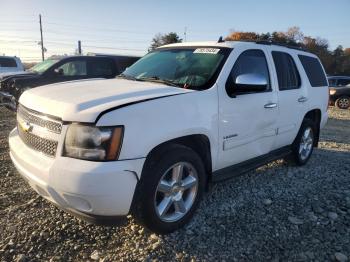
(221, 40)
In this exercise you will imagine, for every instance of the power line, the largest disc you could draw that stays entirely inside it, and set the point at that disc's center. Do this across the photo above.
(114, 48)
(20, 41)
(106, 26)
(87, 46)
(16, 37)
(73, 38)
(21, 30)
(101, 28)
(80, 33)
(33, 41)
(24, 49)
(16, 21)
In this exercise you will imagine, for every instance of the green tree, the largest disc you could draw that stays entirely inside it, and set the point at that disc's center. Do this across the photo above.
(164, 39)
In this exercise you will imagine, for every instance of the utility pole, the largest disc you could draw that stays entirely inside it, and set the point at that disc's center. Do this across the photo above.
(42, 41)
(185, 33)
(79, 47)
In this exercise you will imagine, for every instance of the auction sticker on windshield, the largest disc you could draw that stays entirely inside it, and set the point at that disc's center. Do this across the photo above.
(206, 51)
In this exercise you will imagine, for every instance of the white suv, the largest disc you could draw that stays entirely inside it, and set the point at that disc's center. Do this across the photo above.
(149, 142)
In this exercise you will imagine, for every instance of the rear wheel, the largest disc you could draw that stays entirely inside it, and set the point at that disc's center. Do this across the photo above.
(343, 102)
(303, 144)
(170, 189)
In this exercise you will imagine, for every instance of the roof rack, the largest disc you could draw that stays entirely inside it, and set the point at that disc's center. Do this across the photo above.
(267, 42)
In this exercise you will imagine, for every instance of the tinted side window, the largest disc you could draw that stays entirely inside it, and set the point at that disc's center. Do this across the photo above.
(102, 67)
(313, 70)
(249, 62)
(74, 68)
(7, 62)
(343, 82)
(287, 72)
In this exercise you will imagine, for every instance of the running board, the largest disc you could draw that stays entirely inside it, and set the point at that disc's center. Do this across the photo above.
(251, 164)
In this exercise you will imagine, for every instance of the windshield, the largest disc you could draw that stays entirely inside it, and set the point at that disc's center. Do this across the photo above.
(43, 66)
(190, 67)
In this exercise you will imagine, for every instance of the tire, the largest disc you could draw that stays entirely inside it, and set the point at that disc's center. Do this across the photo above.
(343, 102)
(157, 205)
(303, 145)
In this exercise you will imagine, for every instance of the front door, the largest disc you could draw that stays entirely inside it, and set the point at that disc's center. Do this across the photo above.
(69, 71)
(247, 118)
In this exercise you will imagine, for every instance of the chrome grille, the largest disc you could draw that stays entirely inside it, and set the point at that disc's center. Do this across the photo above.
(37, 119)
(46, 146)
(37, 131)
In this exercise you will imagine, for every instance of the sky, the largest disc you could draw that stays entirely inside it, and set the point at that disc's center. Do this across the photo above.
(127, 27)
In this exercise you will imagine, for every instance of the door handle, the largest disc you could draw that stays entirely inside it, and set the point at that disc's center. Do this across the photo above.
(270, 105)
(302, 99)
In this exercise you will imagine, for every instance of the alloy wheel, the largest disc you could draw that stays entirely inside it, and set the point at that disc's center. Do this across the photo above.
(306, 143)
(343, 102)
(176, 192)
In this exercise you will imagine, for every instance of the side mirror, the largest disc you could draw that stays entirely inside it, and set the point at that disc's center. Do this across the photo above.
(59, 71)
(247, 83)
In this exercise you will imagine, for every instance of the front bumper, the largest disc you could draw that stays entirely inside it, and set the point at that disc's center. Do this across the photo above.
(102, 190)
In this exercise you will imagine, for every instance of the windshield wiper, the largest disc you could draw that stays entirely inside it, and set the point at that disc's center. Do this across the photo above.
(128, 77)
(156, 79)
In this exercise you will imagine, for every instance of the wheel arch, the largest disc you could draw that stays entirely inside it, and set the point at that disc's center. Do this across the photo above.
(315, 115)
(199, 143)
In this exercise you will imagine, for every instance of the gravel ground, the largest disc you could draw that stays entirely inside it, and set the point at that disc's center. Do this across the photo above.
(277, 212)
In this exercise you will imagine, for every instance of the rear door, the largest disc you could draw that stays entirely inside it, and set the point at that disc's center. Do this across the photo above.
(292, 95)
(317, 84)
(247, 119)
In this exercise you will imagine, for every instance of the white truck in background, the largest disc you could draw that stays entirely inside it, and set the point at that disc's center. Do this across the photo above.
(10, 64)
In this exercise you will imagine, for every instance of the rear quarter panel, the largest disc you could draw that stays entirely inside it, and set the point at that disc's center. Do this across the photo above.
(317, 96)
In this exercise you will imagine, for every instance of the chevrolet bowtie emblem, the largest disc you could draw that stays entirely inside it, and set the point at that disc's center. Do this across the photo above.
(25, 126)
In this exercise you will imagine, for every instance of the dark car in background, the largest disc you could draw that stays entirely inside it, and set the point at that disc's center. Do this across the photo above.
(61, 69)
(339, 91)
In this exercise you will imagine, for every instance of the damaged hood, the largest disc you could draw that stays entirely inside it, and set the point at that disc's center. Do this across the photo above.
(4, 76)
(83, 101)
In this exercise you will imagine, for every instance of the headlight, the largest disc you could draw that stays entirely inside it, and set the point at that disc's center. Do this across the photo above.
(332, 91)
(93, 143)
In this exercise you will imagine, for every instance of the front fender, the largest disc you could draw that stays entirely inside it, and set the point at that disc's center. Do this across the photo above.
(150, 123)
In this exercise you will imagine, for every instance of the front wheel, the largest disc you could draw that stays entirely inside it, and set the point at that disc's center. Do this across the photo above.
(170, 189)
(303, 144)
(343, 102)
